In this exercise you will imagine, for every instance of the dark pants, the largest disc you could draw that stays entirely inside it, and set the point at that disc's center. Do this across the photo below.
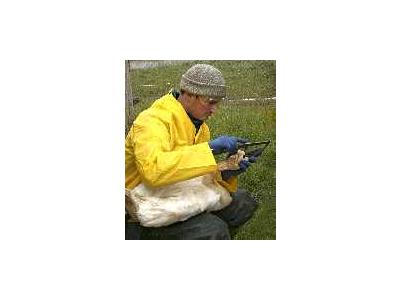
(205, 226)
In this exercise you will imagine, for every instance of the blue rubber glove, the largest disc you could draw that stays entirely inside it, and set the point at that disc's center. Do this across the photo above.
(225, 144)
(244, 164)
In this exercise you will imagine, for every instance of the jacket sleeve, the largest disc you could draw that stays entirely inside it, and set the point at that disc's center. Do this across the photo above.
(158, 163)
(230, 184)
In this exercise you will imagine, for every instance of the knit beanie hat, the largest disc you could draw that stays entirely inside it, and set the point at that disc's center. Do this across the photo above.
(204, 80)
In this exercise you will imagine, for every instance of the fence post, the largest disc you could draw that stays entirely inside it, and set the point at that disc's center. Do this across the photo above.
(129, 99)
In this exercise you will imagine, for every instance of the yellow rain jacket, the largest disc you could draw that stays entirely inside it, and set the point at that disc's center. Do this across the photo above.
(162, 148)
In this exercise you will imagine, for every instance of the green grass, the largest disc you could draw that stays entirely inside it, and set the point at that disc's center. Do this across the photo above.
(254, 120)
(245, 79)
(256, 123)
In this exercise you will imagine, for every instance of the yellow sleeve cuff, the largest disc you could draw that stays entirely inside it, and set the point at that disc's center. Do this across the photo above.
(230, 185)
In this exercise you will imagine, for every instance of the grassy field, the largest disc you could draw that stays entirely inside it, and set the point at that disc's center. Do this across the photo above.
(254, 120)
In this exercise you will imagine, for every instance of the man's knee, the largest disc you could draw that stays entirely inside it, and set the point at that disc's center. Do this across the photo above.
(240, 210)
(246, 200)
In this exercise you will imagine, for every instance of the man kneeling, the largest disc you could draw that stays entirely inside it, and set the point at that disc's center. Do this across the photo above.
(175, 189)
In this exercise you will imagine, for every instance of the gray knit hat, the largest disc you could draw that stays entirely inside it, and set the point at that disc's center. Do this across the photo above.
(204, 80)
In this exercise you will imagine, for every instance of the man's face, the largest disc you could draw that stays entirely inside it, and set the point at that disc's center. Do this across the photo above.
(202, 107)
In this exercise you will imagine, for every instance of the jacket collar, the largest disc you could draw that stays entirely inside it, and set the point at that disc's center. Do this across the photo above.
(196, 122)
